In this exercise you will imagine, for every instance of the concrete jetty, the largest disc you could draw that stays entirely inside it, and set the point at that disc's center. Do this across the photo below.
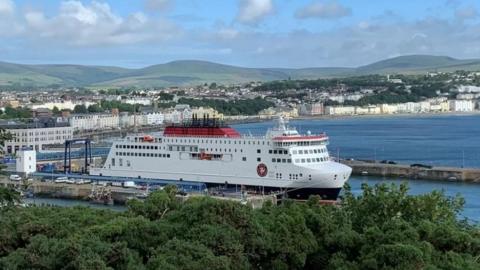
(413, 172)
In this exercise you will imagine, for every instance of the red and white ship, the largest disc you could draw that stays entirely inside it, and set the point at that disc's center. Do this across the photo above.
(206, 151)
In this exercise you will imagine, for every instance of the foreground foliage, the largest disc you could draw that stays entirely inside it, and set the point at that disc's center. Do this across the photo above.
(383, 228)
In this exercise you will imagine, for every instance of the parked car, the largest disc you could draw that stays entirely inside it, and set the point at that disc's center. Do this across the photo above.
(418, 165)
(15, 177)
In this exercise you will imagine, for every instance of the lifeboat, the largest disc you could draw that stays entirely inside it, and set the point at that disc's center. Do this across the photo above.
(205, 156)
(148, 138)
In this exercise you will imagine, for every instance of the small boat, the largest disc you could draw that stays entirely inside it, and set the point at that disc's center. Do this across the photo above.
(452, 179)
(364, 173)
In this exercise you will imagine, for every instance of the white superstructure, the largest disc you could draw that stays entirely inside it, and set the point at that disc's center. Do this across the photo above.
(203, 151)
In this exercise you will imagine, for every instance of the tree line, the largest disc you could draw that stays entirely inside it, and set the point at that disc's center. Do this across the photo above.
(234, 107)
(382, 228)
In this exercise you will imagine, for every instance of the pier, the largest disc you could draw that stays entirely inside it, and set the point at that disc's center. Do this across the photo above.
(439, 173)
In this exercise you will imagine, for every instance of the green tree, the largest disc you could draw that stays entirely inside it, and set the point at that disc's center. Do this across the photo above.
(94, 108)
(80, 108)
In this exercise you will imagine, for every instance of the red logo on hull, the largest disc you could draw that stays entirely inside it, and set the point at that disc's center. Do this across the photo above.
(262, 170)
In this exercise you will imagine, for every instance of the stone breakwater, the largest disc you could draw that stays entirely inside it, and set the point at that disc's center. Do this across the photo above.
(438, 173)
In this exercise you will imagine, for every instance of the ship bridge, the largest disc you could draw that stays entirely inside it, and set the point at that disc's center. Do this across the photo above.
(282, 136)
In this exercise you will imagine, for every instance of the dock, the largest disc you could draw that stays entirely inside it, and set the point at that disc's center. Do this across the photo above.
(439, 173)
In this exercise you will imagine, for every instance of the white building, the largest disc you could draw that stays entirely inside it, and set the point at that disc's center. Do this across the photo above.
(457, 105)
(312, 109)
(339, 110)
(36, 134)
(85, 122)
(61, 105)
(154, 118)
(389, 108)
(26, 161)
(468, 89)
(142, 101)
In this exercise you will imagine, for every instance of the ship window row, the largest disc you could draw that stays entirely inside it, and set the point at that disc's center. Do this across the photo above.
(182, 148)
(279, 151)
(293, 176)
(282, 160)
(309, 151)
(148, 147)
(311, 160)
(230, 141)
(301, 143)
(129, 154)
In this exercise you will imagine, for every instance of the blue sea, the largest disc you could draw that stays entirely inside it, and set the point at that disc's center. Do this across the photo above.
(440, 140)
(451, 140)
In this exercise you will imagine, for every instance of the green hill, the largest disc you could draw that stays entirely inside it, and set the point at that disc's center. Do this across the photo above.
(192, 72)
(419, 64)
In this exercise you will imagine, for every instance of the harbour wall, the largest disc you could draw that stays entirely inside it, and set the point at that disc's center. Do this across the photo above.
(413, 172)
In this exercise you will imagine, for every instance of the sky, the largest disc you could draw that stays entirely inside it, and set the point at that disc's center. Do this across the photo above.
(250, 33)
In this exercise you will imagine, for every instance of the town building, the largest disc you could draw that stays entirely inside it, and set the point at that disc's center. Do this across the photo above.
(35, 134)
(89, 122)
(458, 105)
(311, 109)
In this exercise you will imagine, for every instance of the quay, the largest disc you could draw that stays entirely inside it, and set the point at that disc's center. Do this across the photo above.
(439, 173)
(119, 194)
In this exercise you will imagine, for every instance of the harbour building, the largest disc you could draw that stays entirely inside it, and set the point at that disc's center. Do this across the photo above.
(35, 134)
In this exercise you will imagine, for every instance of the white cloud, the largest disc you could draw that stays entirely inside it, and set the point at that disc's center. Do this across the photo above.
(465, 13)
(323, 10)
(95, 24)
(7, 7)
(158, 5)
(253, 11)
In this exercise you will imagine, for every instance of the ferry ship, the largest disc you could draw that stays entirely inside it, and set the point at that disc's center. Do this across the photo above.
(207, 151)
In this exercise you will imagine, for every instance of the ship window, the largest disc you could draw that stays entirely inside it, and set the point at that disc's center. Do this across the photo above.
(315, 151)
(294, 152)
(244, 158)
(168, 155)
(270, 151)
(303, 160)
(274, 151)
(285, 152)
(143, 154)
(297, 160)
(284, 160)
(300, 152)
(289, 160)
(309, 160)
(120, 162)
(128, 163)
(259, 159)
(273, 160)
(279, 160)
(258, 151)
(113, 162)
(310, 151)
(156, 147)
